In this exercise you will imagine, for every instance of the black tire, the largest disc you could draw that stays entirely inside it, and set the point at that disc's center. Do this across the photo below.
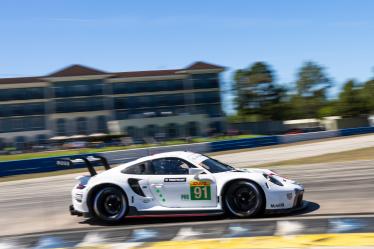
(243, 199)
(110, 204)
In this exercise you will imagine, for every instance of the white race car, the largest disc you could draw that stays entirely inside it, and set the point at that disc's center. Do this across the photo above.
(182, 183)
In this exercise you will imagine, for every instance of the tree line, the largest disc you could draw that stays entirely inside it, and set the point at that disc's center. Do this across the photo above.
(260, 97)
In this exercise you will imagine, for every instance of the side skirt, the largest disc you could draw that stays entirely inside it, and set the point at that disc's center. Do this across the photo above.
(134, 212)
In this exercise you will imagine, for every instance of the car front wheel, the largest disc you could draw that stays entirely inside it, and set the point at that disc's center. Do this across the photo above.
(110, 204)
(243, 199)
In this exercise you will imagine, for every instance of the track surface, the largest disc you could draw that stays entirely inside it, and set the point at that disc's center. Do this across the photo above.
(270, 155)
(41, 204)
(312, 231)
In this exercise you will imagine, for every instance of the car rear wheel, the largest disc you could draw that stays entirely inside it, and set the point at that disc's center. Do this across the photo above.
(110, 204)
(243, 199)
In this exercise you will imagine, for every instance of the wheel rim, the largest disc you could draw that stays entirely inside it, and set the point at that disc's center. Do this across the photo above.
(242, 200)
(110, 204)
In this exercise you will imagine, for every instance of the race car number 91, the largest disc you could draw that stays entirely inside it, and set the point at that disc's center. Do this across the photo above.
(200, 190)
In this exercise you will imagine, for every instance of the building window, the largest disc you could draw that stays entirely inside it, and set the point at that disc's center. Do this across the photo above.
(172, 130)
(17, 124)
(131, 131)
(78, 88)
(6, 125)
(148, 86)
(151, 130)
(192, 129)
(20, 143)
(61, 130)
(22, 93)
(207, 97)
(36, 123)
(82, 125)
(215, 127)
(41, 139)
(101, 124)
(205, 81)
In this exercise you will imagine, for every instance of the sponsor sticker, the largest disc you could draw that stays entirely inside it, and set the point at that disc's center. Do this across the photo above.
(200, 190)
(182, 179)
(277, 205)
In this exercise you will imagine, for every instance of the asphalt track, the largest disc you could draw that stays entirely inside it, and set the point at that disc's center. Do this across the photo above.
(38, 205)
(269, 233)
(276, 154)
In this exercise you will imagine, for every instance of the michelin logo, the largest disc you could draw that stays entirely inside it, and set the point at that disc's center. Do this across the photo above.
(278, 205)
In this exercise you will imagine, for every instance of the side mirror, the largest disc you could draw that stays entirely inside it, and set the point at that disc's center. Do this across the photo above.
(195, 171)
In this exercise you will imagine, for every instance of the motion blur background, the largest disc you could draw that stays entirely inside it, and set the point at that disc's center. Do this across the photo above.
(218, 77)
(88, 74)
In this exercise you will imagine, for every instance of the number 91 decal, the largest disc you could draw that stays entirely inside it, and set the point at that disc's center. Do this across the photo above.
(200, 190)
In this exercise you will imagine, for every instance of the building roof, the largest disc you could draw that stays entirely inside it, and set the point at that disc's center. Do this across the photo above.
(80, 70)
(145, 73)
(76, 70)
(20, 80)
(195, 66)
(200, 65)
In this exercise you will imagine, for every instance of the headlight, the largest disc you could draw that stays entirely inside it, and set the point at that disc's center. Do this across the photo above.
(272, 179)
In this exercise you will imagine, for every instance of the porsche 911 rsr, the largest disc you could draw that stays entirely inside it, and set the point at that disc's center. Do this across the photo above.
(180, 183)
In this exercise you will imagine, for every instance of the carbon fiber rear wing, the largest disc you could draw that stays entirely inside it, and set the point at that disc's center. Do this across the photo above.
(89, 161)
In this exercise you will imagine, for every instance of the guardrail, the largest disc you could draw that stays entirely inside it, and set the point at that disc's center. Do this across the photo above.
(39, 165)
(356, 131)
(114, 157)
(243, 143)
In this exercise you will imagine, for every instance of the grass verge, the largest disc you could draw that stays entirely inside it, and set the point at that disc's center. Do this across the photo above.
(344, 156)
(112, 148)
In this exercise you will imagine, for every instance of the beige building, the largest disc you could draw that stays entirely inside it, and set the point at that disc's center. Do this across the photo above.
(78, 100)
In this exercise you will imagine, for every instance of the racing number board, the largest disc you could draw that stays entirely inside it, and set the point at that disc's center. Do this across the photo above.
(200, 190)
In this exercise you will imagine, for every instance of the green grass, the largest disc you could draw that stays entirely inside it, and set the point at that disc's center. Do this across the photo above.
(111, 148)
(214, 139)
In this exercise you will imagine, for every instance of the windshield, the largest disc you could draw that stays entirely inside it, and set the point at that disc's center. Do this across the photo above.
(214, 166)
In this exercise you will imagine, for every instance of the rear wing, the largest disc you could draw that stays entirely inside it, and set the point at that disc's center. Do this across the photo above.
(89, 161)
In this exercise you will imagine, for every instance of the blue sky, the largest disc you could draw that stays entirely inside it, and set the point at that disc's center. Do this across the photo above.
(38, 37)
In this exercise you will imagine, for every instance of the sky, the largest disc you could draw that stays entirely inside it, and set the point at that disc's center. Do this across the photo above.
(38, 37)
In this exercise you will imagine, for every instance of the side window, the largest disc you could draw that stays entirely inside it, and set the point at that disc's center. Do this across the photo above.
(137, 169)
(170, 166)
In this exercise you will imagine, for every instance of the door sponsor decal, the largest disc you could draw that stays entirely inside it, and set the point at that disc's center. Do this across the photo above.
(183, 179)
(200, 190)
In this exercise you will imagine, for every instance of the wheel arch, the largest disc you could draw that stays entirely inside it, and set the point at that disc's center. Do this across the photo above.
(227, 184)
(95, 189)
